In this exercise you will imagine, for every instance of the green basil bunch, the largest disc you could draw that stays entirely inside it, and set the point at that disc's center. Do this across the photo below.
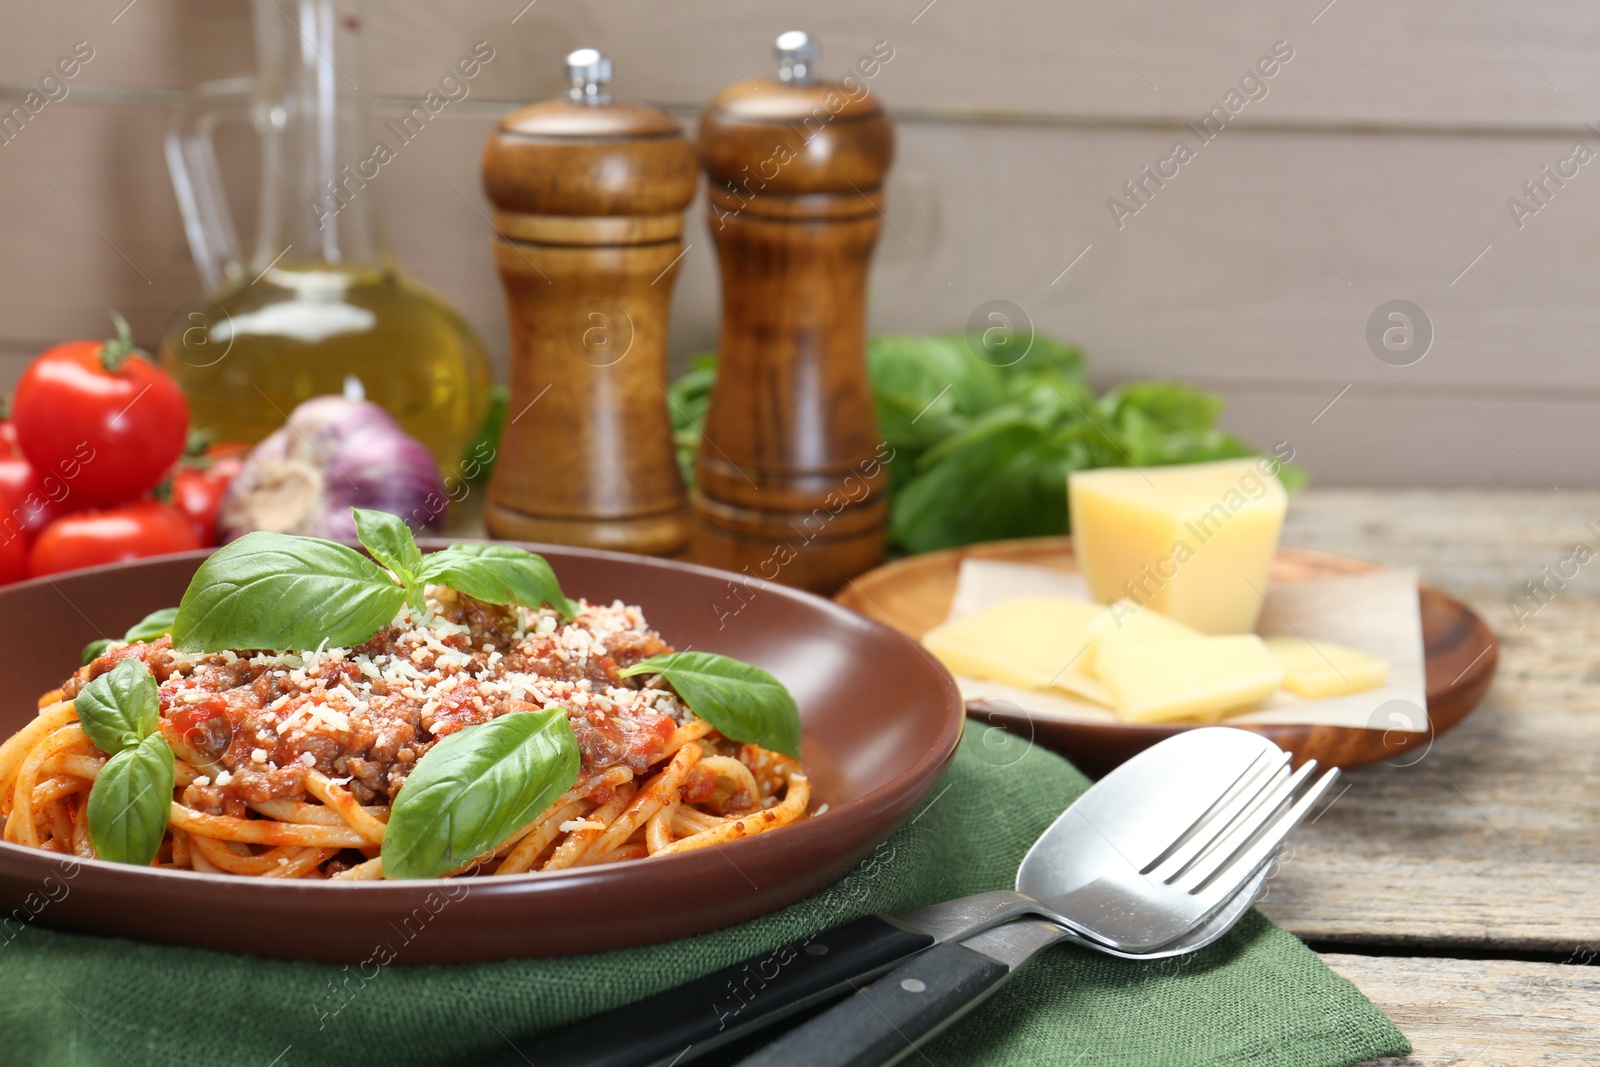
(982, 436)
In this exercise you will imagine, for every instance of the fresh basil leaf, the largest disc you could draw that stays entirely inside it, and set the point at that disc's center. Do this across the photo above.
(1010, 478)
(926, 389)
(131, 801)
(498, 574)
(742, 701)
(477, 461)
(1058, 356)
(1294, 478)
(475, 788)
(1160, 406)
(280, 592)
(120, 708)
(152, 626)
(389, 540)
(688, 404)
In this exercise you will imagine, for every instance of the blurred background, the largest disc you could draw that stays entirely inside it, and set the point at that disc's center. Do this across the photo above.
(1384, 159)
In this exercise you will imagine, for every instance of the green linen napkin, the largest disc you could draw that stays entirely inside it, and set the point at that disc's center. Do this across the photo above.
(1257, 997)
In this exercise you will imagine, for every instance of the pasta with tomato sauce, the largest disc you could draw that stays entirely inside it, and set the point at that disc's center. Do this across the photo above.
(287, 764)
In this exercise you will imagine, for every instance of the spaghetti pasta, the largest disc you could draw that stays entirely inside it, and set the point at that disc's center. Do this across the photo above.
(287, 764)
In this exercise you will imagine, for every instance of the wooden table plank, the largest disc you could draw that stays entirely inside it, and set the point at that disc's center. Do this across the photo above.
(1467, 541)
(1483, 1013)
(1491, 839)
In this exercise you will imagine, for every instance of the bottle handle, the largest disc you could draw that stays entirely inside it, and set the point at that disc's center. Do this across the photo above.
(197, 180)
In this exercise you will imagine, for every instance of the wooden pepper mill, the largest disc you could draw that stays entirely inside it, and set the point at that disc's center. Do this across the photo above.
(589, 198)
(792, 469)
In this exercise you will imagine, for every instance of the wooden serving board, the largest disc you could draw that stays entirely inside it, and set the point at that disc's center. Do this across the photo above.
(914, 595)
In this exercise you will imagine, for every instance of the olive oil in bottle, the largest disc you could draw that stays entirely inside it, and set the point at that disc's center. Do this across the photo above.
(251, 354)
(320, 300)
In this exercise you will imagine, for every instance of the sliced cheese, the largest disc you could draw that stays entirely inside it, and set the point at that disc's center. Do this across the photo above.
(1318, 669)
(1125, 620)
(1085, 686)
(1193, 541)
(1026, 642)
(1122, 621)
(1202, 678)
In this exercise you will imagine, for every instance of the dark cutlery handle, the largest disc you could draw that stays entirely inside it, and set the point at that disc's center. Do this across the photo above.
(891, 1018)
(682, 1023)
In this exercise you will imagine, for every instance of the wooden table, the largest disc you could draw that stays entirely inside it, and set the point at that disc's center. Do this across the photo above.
(1461, 892)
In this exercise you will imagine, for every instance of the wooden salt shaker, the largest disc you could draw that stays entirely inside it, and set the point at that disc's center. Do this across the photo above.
(792, 469)
(589, 198)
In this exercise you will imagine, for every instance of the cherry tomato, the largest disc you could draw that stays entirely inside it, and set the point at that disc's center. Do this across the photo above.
(200, 482)
(108, 421)
(90, 538)
(29, 502)
(8, 430)
(13, 557)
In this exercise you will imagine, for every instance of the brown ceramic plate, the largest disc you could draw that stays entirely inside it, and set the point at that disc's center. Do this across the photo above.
(880, 722)
(914, 596)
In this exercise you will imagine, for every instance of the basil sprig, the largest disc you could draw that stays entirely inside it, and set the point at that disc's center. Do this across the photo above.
(131, 802)
(120, 708)
(154, 625)
(281, 592)
(131, 799)
(389, 540)
(742, 701)
(475, 788)
(498, 574)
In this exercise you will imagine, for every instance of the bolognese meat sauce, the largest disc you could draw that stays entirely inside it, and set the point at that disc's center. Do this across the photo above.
(364, 716)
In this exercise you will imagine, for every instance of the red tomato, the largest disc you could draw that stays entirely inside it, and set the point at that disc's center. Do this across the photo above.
(108, 422)
(8, 439)
(29, 502)
(90, 538)
(13, 557)
(199, 483)
(204, 726)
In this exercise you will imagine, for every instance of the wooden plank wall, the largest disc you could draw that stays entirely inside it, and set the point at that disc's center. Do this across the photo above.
(1376, 166)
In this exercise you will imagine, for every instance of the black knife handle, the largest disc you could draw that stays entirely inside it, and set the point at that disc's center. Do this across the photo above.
(680, 1024)
(893, 1017)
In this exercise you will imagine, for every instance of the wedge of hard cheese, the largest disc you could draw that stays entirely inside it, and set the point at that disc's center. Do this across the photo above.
(1193, 541)
(1317, 669)
(1026, 642)
(1203, 678)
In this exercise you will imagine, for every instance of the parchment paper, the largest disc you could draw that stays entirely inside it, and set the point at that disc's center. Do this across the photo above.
(1376, 613)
